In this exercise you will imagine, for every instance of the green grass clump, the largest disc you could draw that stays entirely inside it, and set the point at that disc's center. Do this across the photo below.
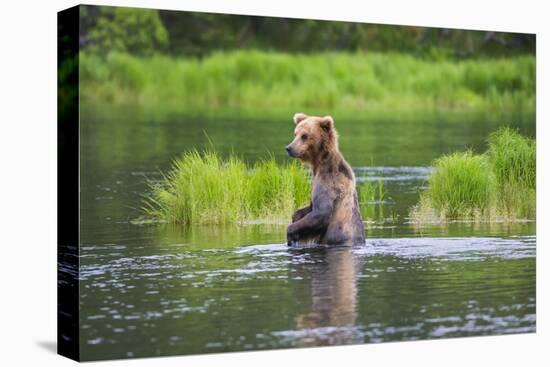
(204, 188)
(499, 184)
(371, 192)
(461, 184)
(248, 82)
(513, 158)
(372, 195)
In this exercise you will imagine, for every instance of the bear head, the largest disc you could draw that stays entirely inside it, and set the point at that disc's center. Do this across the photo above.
(314, 137)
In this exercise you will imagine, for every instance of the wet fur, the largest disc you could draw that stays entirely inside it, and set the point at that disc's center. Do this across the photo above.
(333, 215)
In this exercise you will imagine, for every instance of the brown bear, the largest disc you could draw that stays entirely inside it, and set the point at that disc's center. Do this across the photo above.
(333, 215)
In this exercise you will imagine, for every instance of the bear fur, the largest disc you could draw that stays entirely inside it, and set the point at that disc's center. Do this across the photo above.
(333, 216)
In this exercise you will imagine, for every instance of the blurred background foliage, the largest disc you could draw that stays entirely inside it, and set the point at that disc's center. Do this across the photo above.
(136, 31)
(221, 64)
(180, 33)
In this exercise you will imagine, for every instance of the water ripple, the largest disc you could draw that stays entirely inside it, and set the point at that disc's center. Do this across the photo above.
(452, 248)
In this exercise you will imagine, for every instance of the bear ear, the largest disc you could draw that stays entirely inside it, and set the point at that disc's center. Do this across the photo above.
(327, 123)
(298, 117)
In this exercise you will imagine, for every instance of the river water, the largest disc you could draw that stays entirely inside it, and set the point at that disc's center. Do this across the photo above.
(160, 289)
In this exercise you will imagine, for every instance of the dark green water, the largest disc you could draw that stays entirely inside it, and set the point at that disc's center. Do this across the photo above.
(149, 290)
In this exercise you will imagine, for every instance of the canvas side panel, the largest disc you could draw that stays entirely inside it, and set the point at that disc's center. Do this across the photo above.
(68, 184)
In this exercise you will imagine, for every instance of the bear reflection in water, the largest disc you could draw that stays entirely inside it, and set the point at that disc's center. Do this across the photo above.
(331, 318)
(333, 216)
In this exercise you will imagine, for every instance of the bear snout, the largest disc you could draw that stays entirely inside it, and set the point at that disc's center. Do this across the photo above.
(290, 151)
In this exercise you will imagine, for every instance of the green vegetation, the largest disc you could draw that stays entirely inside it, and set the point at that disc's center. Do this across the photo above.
(185, 33)
(207, 189)
(247, 66)
(203, 188)
(461, 185)
(270, 84)
(371, 192)
(371, 198)
(137, 31)
(499, 184)
(514, 163)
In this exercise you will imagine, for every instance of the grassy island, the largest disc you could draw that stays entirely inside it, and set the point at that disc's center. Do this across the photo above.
(499, 184)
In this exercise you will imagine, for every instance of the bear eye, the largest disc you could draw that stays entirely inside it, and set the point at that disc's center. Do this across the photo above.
(304, 137)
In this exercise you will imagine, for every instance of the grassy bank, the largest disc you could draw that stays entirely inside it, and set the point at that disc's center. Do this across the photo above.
(278, 84)
(204, 188)
(497, 185)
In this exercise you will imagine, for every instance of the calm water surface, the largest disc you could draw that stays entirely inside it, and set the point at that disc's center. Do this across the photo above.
(151, 290)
